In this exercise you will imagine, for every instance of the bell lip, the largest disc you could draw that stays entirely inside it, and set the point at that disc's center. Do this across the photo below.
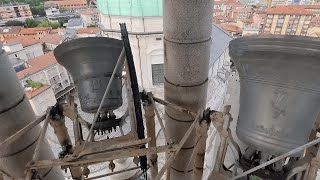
(288, 44)
(85, 42)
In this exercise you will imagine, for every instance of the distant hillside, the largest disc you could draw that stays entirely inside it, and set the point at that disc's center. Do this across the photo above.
(35, 5)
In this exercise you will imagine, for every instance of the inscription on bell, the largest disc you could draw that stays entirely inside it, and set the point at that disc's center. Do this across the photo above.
(279, 103)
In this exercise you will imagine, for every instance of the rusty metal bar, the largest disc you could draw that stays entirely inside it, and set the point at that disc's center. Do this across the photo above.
(166, 136)
(104, 97)
(39, 141)
(114, 147)
(21, 132)
(200, 150)
(149, 108)
(100, 157)
(42, 135)
(6, 174)
(296, 150)
(175, 107)
(181, 143)
(57, 122)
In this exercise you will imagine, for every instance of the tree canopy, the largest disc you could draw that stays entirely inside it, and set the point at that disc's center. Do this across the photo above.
(30, 23)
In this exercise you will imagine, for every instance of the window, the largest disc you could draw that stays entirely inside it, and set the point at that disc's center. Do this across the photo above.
(157, 74)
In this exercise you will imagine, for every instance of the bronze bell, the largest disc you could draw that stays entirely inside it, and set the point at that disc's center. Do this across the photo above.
(279, 90)
(91, 61)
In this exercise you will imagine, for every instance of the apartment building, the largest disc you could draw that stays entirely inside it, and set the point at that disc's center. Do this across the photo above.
(46, 70)
(287, 20)
(17, 11)
(67, 4)
(20, 49)
(241, 13)
(40, 98)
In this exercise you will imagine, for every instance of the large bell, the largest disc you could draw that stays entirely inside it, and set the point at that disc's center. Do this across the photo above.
(91, 61)
(279, 90)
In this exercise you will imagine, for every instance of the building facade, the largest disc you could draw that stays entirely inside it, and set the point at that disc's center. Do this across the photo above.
(90, 17)
(52, 11)
(67, 4)
(280, 2)
(10, 31)
(259, 18)
(19, 12)
(287, 21)
(242, 14)
(88, 32)
(40, 98)
(21, 49)
(46, 70)
(51, 41)
(145, 27)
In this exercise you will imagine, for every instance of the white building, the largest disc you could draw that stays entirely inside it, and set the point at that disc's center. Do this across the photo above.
(20, 49)
(46, 70)
(41, 98)
(51, 41)
(249, 31)
(14, 11)
(30, 46)
(76, 23)
(90, 17)
(52, 11)
(145, 28)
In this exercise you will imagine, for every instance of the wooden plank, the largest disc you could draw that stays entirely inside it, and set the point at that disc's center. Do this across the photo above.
(100, 157)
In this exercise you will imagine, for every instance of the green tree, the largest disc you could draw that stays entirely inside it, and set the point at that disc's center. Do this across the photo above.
(33, 84)
(47, 23)
(44, 23)
(55, 25)
(14, 23)
(38, 10)
(30, 23)
(61, 23)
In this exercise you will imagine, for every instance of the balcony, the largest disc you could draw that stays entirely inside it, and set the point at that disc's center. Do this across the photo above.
(57, 88)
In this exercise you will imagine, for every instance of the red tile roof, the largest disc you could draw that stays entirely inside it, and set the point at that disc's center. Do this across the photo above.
(55, 39)
(89, 30)
(287, 10)
(243, 9)
(306, 6)
(69, 2)
(31, 31)
(10, 30)
(260, 12)
(35, 91)
(230, 28)
(37, 64)
(24, 40)
(232, 2)
(89, 12)
(55, 31)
